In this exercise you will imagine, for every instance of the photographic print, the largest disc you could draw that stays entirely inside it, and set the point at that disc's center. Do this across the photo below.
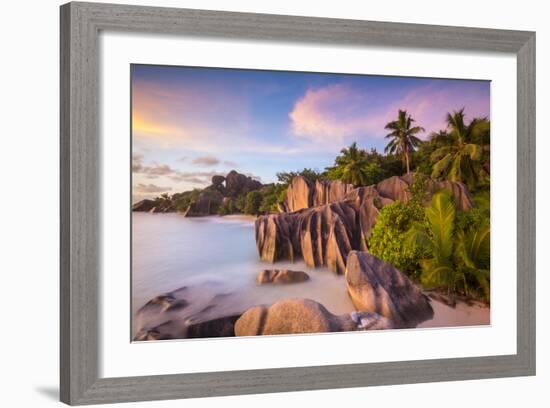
(283, 203)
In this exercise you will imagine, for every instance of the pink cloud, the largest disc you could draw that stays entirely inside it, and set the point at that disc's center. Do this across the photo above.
(430, 108)
(337, 114)
(331, 113)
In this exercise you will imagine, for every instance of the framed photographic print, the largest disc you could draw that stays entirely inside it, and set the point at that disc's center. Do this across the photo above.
(243, 195)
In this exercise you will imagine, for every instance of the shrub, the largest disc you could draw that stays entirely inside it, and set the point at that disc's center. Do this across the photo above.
(387, 240)
(457, 252)
(228, 207)
(182, 200)
(285, 177)
(272, 195)
(253, 202)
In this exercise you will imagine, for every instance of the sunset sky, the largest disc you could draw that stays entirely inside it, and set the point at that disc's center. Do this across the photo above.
(191, 123)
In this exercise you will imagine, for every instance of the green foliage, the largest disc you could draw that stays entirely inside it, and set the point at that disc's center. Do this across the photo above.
(182, 200)
(421, 158)
(460, 159)
(272, 195)
(253, 202)
(436, 238)
(419, 189)
(475, 218)
(350, 166)
(240, 203)
(402, 137)
(473, 257)
(387, 240)
(228, 207)
(361, 168)
(285, 177)
(457, 247)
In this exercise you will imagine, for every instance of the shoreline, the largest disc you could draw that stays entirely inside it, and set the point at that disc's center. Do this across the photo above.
(222, 283)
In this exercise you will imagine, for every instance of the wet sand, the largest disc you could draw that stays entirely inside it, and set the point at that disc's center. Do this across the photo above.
(461, 315)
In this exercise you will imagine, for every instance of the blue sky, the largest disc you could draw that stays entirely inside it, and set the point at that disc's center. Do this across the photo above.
(191, 123)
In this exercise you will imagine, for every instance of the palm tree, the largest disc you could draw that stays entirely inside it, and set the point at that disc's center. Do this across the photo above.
(403, 140)
(459, 161)
(351, 166)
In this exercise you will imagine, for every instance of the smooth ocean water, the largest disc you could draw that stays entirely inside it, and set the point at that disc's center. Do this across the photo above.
(217, 256)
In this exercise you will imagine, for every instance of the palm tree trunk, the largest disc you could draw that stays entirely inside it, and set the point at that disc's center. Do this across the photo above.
(407, 160)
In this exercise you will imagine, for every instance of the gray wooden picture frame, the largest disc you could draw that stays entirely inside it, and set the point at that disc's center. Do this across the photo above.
(80, 237)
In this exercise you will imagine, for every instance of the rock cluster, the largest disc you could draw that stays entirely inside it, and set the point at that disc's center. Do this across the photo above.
(237, 184)
(143, 205)
(322, 236)
(323, 221)
(302, 193)
(233, 185)
(383, 296)
(154, 206)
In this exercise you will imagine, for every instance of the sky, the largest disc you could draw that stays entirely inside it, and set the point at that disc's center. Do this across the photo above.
(190, 123)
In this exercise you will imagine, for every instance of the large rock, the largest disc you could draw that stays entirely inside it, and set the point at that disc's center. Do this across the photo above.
(458, 191)
(327, 192)
(281, 276)
(166, 303)
(273, 238)
(166, 207)
(322, 236)
(217, 181)
(143, 205)
(218, 327)
(395, 188)
(398, 188)
(369, 202)
(155, 206)
(238, 184)
(376, 286)
(299, 194)
(302, 193)
(292, 316)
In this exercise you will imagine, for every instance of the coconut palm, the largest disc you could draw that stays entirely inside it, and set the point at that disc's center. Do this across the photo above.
(351, 166)
(460, 160)
(403, 140)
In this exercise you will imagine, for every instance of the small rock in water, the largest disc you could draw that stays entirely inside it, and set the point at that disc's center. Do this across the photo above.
(219, 327)
(166, 302)
(153, 333)
(281, 276)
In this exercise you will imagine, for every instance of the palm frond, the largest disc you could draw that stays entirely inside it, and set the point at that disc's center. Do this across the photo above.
(441, 216)
(474, 151)
(441, 166)
(440, 153)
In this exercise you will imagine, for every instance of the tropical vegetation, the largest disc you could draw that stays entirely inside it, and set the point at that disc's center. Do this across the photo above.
(460, 158)
(456, 257)
(427, 237)
(403, 139)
